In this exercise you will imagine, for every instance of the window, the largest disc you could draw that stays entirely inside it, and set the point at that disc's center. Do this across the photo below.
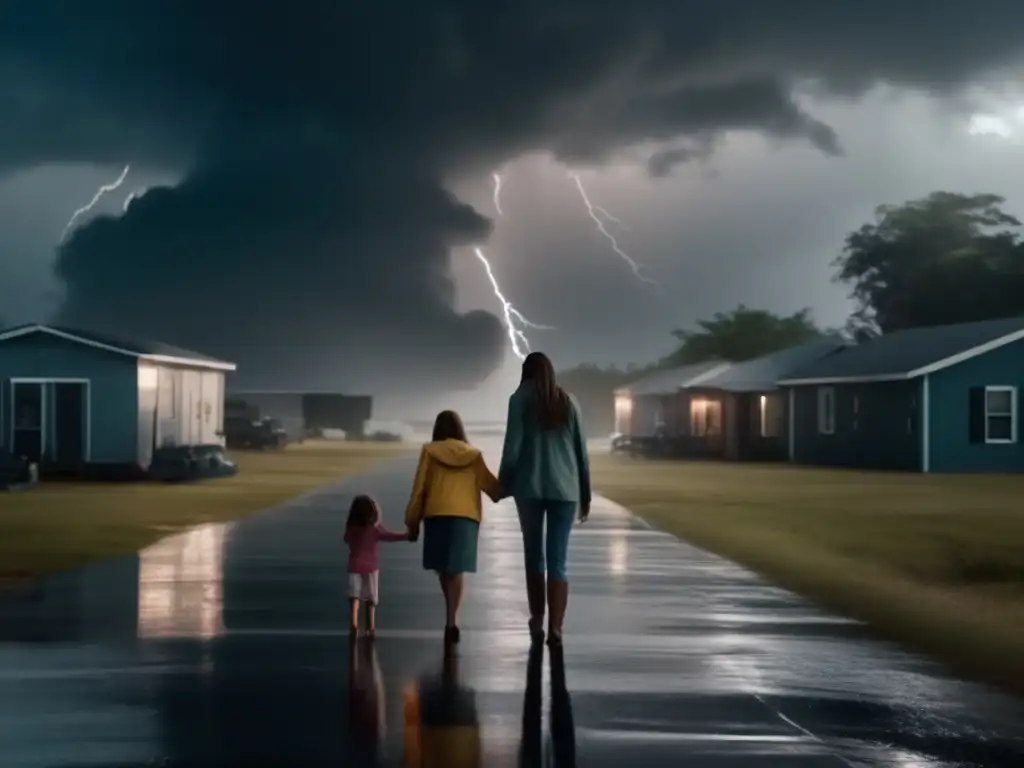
(705, 417)
(826, 411)
(1000, 414)
(28, 405)
(770, 416)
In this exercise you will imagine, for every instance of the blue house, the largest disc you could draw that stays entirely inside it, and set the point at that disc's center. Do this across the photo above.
(937, 399)
(72, 399)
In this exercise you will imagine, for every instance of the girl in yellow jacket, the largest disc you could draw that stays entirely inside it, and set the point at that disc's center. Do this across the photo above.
(446, 498)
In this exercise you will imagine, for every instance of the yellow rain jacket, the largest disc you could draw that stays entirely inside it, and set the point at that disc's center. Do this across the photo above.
(449, 480)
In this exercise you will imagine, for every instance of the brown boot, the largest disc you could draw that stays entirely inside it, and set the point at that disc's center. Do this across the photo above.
(536, 598)
(558, 599)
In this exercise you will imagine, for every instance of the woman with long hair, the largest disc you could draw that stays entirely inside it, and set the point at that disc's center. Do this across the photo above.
(544, 467)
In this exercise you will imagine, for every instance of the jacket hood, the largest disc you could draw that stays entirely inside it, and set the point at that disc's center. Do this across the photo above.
(453, 453)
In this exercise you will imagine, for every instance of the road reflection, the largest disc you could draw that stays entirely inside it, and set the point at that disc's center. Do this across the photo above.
(181, 585)
(562, 725)
(367, 702)
(442, 726)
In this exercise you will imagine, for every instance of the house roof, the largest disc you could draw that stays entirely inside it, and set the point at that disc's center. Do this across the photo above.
(762, 373)
(910, 353)
(668, 381)
(155, 352)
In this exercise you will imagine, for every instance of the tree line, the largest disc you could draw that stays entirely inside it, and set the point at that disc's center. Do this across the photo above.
(944, 258)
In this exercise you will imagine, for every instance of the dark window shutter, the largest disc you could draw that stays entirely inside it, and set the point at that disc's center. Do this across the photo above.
(977, 414)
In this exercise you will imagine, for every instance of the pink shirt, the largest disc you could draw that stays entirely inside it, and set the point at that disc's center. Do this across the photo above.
(362, 546)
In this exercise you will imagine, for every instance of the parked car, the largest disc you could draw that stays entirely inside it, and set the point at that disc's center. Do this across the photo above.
(620, 443)
(260, 434)
(382, 436)
(177, 464)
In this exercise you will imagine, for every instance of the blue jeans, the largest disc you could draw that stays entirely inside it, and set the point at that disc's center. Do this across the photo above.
(560, 516)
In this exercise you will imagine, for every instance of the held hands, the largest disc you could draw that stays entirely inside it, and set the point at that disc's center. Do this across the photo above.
(414, 532)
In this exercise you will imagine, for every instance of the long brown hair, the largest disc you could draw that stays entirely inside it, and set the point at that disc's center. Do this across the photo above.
(363, 513)
(448, 426)
(552, 400)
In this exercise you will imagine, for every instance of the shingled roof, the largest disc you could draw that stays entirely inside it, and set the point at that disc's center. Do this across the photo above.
(156, 352)
(910, 353)
(671, 380)
(762, 373)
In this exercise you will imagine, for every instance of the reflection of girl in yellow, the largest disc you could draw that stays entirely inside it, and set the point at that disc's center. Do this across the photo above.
(441, 725)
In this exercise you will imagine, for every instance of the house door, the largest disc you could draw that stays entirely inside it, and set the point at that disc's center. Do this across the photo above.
(69, 423)
(27, 420)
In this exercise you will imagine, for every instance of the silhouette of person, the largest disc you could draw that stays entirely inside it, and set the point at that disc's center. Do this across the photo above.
(563, 728)
(442, 728)
(367, 700)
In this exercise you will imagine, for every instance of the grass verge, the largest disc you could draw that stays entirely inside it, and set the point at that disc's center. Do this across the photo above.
(62, 525)
(933, 562)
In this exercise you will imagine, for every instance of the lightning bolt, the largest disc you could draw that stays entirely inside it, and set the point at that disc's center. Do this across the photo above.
(514, 320)
(592, 212)
(497, 192)
(105, 189)
(132, 196)
(604, 212)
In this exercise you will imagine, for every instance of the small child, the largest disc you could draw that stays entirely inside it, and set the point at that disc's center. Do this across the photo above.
(363, 531)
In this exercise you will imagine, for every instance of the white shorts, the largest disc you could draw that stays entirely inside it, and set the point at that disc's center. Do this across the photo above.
(363, 586)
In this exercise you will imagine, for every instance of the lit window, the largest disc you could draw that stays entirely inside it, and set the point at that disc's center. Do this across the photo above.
(770, 416)
(705, 417)
(826, 410)
(1000, 414)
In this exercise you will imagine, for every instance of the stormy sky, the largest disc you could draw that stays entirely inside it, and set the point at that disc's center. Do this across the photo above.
(317, 172)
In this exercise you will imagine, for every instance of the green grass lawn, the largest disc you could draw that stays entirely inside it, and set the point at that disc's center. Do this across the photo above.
(62, 525)
(935, 562)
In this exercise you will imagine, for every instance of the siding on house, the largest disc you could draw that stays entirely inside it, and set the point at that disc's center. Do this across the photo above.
(951, 449)
(877, 425)
(113, 395)
(148, 377)
(183, 405)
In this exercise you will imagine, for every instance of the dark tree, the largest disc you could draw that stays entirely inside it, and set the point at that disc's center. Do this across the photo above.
(742, 334)
(945, 258)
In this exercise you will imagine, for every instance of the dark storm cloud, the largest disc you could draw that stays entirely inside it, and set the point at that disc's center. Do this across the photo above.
(661, 163)
(313, 227)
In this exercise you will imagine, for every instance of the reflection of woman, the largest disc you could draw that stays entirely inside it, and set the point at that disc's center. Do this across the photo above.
(367, 700)
(441, 724)
(563, 729)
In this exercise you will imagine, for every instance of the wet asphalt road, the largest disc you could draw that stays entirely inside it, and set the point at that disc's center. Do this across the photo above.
(228, 646)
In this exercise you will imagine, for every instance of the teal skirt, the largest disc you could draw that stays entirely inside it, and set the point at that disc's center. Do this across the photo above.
(449, 544)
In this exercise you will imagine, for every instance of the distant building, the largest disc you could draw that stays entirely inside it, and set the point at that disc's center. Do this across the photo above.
(304, 413)
(75, 400)
(740, 412)
(657, 405)
(938, 399)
